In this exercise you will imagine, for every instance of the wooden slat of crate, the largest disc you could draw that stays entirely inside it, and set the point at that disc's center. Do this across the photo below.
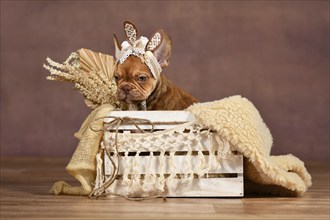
(166, 117)
(211, 187)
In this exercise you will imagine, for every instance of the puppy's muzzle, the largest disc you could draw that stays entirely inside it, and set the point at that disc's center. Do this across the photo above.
(126, 88)
(129, 93)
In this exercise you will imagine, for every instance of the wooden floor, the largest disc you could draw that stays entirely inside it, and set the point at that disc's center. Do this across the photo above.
(25, 183)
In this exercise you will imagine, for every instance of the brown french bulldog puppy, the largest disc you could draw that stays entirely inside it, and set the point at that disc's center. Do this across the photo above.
(139, 82)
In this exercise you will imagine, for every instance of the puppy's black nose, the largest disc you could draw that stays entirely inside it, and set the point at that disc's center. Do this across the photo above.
(126, 88)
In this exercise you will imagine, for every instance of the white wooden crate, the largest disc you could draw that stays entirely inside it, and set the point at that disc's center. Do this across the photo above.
(198, 169)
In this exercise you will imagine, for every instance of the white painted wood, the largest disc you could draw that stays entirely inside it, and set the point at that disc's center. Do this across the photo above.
(216, 187)
(155, 117)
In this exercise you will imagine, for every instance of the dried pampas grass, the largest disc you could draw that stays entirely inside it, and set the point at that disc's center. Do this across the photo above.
(92, 75)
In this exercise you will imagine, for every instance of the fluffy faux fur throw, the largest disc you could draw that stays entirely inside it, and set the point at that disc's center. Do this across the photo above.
(237, 121)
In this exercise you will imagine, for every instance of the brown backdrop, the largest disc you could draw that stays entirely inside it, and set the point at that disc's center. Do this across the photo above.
(274, 53)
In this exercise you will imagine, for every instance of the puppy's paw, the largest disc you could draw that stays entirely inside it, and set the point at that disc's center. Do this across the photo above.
(57, 187)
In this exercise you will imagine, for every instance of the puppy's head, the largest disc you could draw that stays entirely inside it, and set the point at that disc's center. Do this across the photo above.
(135, 79)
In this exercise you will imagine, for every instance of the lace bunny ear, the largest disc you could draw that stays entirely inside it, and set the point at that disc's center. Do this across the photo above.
(130, 31)
(161, 46)
(155, 41)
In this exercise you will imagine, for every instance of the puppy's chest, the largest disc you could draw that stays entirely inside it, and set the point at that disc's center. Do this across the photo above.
(163, 98)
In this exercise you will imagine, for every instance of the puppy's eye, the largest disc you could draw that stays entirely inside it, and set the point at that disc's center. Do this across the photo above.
(142, 78)
(116, 77)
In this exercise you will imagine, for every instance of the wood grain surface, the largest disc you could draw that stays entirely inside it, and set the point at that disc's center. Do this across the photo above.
(25, 183)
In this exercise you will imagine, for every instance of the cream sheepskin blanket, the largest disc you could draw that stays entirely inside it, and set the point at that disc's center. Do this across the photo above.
(236, 120)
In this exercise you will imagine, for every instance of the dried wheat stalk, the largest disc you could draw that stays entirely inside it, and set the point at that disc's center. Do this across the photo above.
(91, 73)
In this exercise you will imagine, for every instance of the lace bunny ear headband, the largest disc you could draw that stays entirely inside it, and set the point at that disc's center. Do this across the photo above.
(141, 47)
